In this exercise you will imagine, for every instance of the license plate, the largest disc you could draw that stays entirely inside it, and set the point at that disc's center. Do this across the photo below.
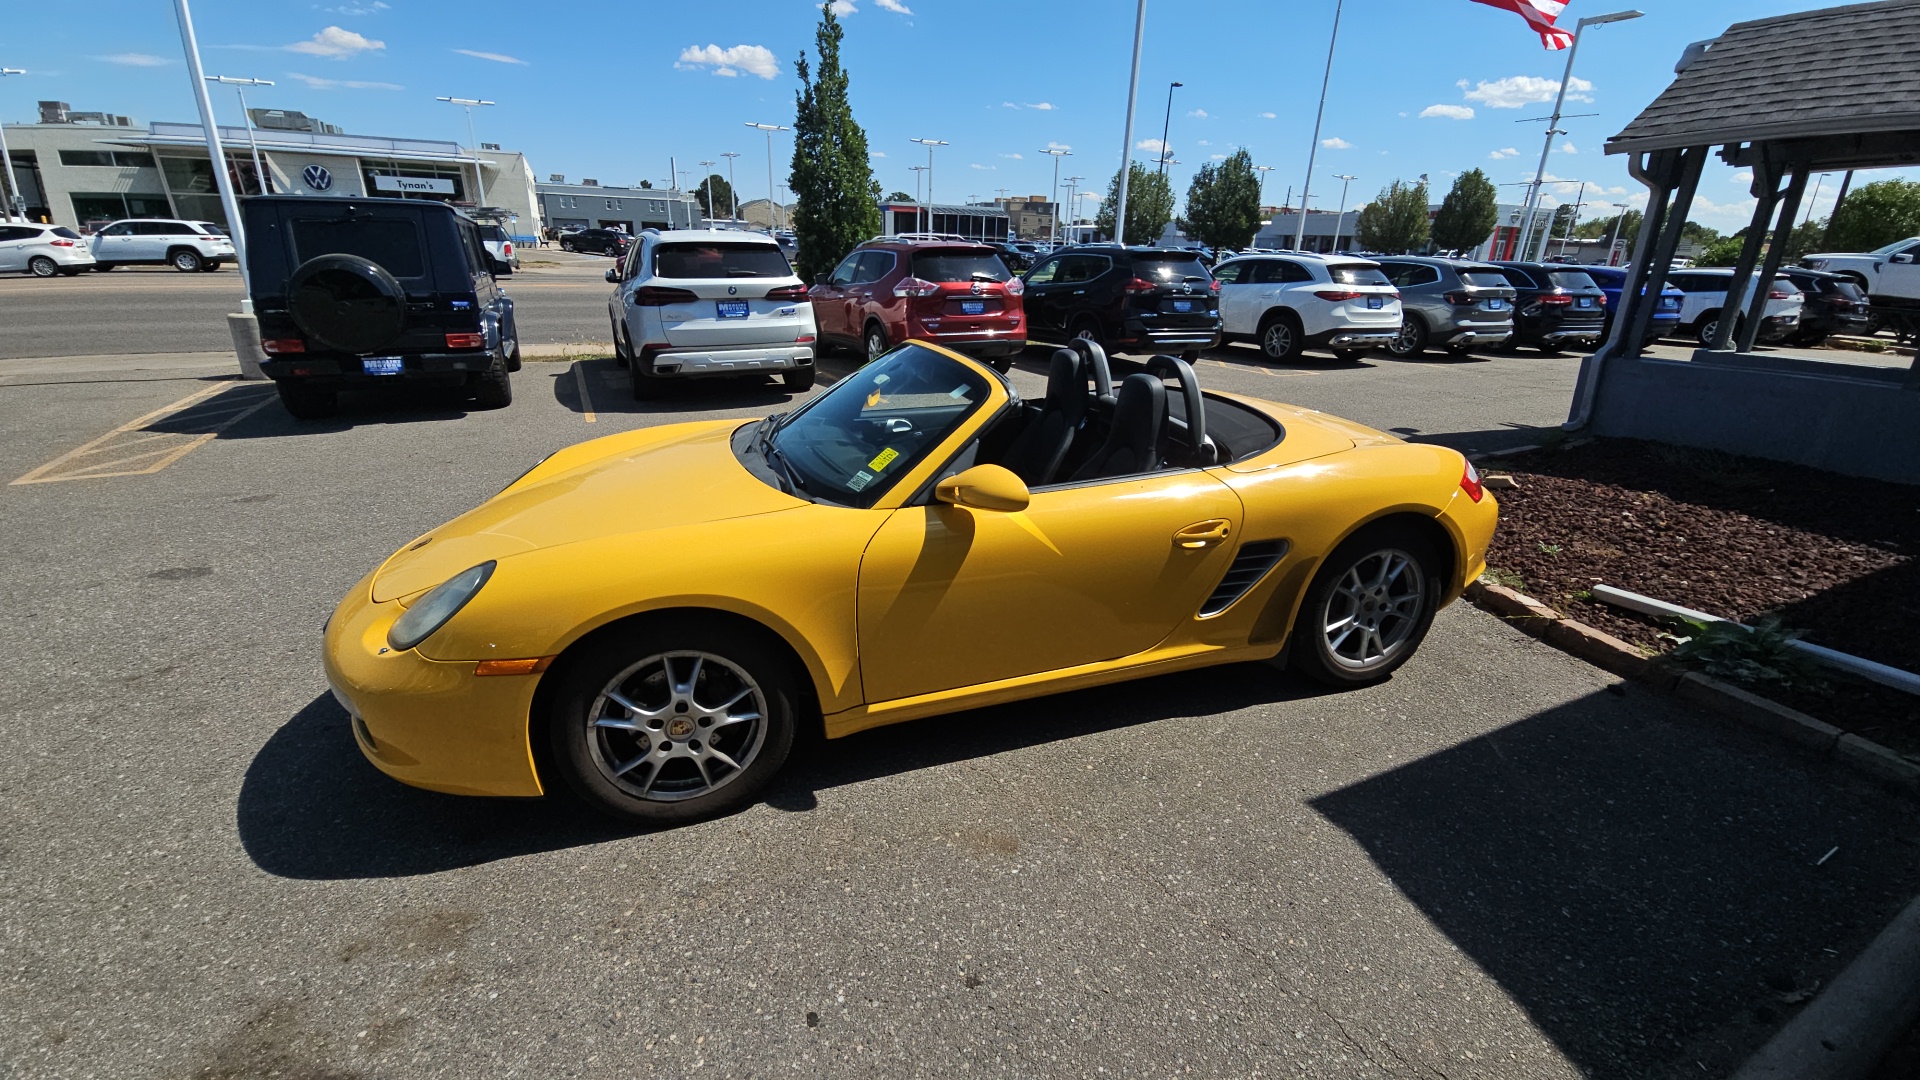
(1375, 303)
(973, 307)
(732, 309)
(381, 365)
(1182, 305)
(1496, 304)
(1586, 301)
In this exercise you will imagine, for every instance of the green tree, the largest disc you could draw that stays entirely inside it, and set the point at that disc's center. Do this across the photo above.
(1223, 203)
(837, 202)
(1468, 213)
(1149, 205)
(1397, 220)
(723, 196)
(1804, 239)
(899, 196)
(1722, 252)
(1875, 215)
(1699, 233)
(647, 184)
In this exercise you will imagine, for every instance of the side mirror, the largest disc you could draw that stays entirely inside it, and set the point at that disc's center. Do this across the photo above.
(613, 277)
(1903, 259)
(985, 487)
(819, 279)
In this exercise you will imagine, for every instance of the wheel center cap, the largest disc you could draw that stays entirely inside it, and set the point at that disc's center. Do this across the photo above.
(679, 728)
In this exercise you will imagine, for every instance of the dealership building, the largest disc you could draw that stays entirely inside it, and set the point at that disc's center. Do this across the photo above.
(80, 169)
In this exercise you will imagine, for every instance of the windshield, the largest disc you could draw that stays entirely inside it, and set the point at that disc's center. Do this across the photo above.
(1356, 274)
(1571, 279)
(876, 424)
(1169, 267)
(716, 259)
(959, 266)
(1897, 245)
(392, 242)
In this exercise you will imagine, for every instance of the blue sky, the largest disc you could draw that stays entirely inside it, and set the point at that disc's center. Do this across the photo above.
(612, 91)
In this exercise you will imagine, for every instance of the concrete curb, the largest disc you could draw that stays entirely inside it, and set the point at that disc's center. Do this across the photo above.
(1750, 710)
(1843, 1033)
(569, 351)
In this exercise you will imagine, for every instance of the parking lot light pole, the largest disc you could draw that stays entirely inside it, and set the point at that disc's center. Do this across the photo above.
(240, 87)
(1263, 171)
(479, 178)
(930, 144)
(1126, 141)
(216, 157)
(1300, 230)
(773, 214)
(1054, 235)
(1166, 127)
(708, 165)
(15, 201)
(1073, 200)
(1341, 218)
(1614, 234)
(1553, 122)
(733, 193)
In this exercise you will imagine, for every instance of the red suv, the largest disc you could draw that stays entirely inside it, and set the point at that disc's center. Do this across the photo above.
(955, 293)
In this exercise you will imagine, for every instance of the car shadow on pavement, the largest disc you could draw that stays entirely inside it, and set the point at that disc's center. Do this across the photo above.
(609, 389)
(311, 807)
(396, 405)
(1650, 890)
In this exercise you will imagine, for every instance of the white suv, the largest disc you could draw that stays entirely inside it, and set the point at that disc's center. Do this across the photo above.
(1706, 291)
(42, 250)
(1287, 303)
(187, 246)
(704, 302)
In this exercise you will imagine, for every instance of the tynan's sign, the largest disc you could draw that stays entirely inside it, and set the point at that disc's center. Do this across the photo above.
(418, 184)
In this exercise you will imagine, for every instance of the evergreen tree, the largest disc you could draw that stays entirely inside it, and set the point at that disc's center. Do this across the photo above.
(1468, 214)
(722, 196)
(837, 202)
(1223, 203)
(1149, 205)
(899, 196)
(1397, 221)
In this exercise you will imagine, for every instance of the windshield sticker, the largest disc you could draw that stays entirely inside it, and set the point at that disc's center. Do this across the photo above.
(860, 480)
(883, 459)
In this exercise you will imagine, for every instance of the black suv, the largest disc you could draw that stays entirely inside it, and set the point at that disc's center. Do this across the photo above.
(1555, 305)
(1833, 305)
(1127, 299)
(355, 293)
(597, 242)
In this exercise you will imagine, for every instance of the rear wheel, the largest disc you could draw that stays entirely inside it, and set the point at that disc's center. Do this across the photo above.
(799, 380)
(1368, 608)
(41, 266)
(1457, 350)
(1280, 337)
(1088, 328)
(673, 723)
(304, 402)
(104, 267)
(645, 387)
(493, 388)
(186, 261)
(1349, 355)
(210, 266)
(876, 341)
(1412, 339)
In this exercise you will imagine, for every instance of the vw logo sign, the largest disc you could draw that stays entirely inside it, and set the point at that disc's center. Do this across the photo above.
(317, 177)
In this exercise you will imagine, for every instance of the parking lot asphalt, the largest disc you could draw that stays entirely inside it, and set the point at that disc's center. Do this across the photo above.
(1500, 863)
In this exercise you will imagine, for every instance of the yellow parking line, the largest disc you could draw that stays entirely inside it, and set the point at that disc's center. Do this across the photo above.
(82, 462)
(586, 401)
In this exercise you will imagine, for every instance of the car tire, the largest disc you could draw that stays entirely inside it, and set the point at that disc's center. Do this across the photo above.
(512, 352)
(873, 343)
(304, 402)
(186, 261)
(74, 271)
(42, 267)
(1384, 580)
(1550, 350)
(1088, 327)
(566, 246)
(650, 761)
(645, 387)
(1280, 337)
(1704, 330)
(1458, 351)
(799, 380)
(209, 266)
(1412, 340)
(1348, 356)
(102, 268)
(620, 350)
(493, 388)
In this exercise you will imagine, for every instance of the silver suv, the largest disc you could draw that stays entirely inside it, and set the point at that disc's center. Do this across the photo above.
(187, 246)
(1449, 302)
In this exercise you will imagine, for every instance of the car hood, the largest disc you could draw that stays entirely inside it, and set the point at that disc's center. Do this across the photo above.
(656, 478)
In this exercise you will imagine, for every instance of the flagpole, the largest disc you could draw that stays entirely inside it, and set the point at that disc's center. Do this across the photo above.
(1300, 228)
(1553, 122)
(1126, 147)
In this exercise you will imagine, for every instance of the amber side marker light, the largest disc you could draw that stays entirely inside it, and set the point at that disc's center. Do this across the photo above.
(533, 666)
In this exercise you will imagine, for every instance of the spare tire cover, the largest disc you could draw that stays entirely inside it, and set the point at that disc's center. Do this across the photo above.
(347, 303)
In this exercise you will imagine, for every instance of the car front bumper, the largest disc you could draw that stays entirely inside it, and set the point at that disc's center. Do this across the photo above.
(429, 723)
(693, 363)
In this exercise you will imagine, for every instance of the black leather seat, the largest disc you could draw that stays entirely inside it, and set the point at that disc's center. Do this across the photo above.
(1037, 452)
(1133, 446)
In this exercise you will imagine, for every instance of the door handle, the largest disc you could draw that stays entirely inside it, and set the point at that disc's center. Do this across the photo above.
(1203, 534)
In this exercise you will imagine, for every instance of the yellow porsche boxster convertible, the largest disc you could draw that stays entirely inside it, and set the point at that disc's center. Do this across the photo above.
(650, 618)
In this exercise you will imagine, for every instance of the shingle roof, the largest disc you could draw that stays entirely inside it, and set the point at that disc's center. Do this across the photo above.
(1837, 71)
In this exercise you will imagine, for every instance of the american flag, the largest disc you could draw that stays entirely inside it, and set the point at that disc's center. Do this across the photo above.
(1539, 15)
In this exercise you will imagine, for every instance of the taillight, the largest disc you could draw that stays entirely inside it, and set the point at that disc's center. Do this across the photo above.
(277, 346)
(59, 243)
(805, 339)
(1779, 294)
(1470, 483)
(1557, 299)
(1138, 285)
(507, 249)
(1214, 285)
(1337, 295)
(1460, 299)
(788, 292)
(1015, 287)
(466, 341)
(656, 296)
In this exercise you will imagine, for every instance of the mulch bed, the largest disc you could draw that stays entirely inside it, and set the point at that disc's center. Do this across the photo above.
(1834, 556)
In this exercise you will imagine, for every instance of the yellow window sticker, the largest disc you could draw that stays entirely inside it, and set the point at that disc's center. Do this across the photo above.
(883, 459)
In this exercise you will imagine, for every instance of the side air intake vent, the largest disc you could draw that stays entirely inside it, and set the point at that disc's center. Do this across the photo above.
(1252, 564)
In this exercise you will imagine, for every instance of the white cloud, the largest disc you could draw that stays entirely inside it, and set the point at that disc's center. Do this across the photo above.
(1403, 113)
(1043, 106)
(876, 153)
(895, 6)
(1565, 148)
(336, 44)
(1615, 190)
(1498, 155)
(844, 7)
(1204, 142)
(1336, 143)
(1745, 176)
(1450, 112)
(1155, 145)
(313, 83)
(357, 9)
(498, 58)
(1013, 157)
(753, 59)
(982, 168)
(1515, 91)
(1219, 157)
(1198, 114)
(135, 59)
(1008, 105)
(1058, 146)
(1268, 116)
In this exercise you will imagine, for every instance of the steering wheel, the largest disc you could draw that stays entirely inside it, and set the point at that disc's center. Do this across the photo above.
(1172, 367)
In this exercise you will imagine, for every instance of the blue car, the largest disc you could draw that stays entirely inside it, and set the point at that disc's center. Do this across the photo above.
(1612, 279)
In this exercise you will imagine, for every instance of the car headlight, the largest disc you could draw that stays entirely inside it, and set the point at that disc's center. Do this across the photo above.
(442, 602)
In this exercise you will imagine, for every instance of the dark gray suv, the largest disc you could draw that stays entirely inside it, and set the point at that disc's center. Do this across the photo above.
(1449, 302)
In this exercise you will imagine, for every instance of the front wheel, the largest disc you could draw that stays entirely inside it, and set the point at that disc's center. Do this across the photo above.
(187, 262)
(42, 267)
(673, 723)
(304, 402)
(1369, 607)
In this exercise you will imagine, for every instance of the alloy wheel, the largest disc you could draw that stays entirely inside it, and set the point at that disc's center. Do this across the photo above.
(677, 725)
(1374, 609)
(876, 343)
(1277, 342)
(41, 266)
